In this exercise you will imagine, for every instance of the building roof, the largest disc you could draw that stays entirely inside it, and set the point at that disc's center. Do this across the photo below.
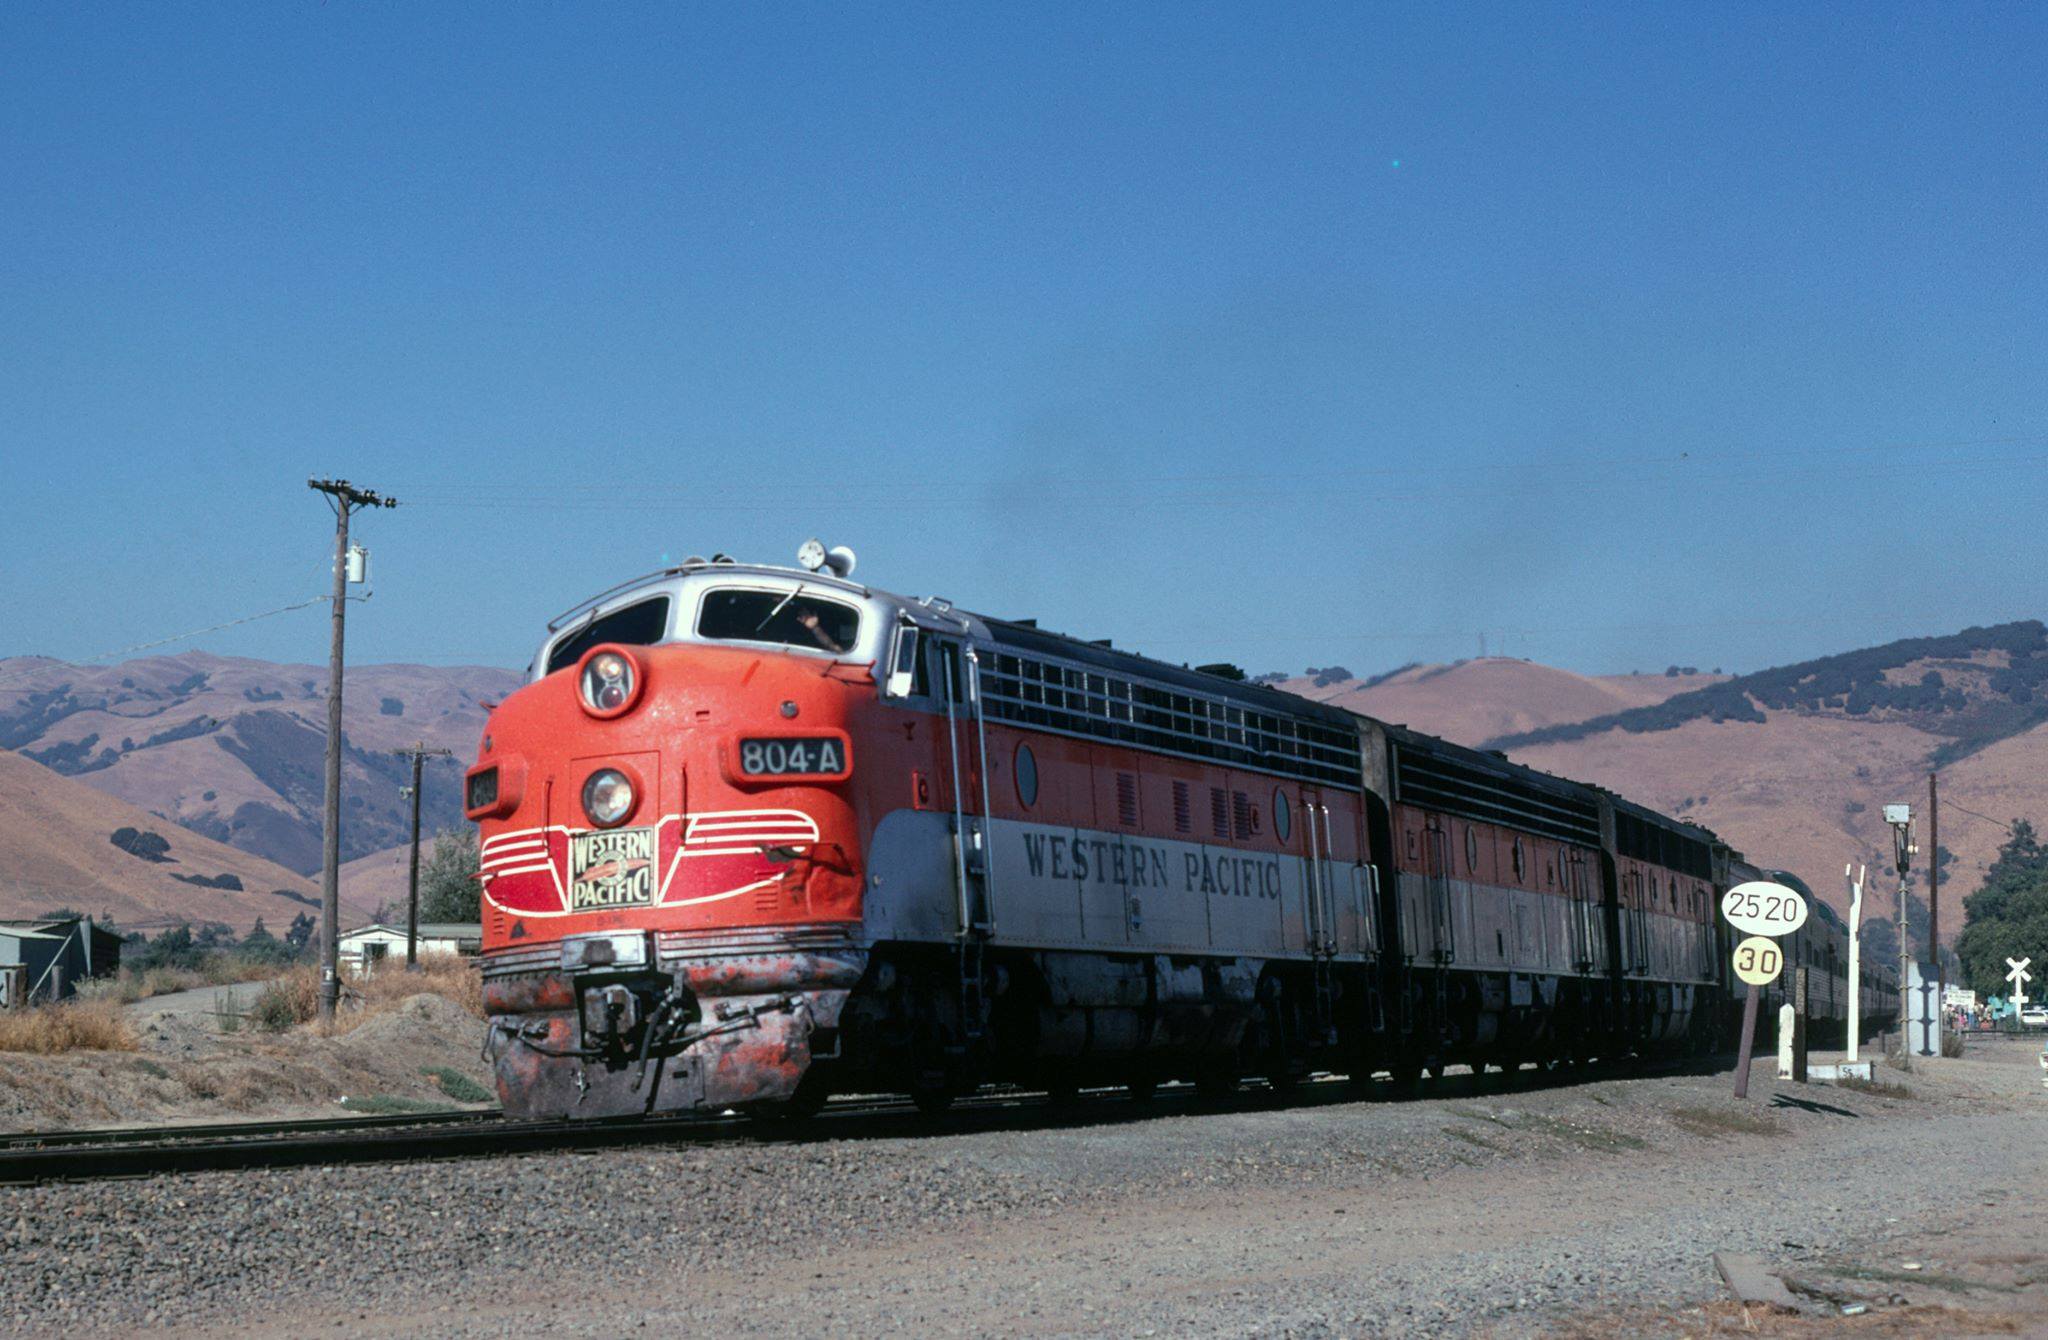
(429, 930)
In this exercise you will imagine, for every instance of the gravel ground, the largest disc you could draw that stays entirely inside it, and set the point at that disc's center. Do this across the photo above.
(1514, 1211)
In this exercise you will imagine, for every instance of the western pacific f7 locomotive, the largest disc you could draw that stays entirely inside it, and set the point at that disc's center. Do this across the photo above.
(752, 835)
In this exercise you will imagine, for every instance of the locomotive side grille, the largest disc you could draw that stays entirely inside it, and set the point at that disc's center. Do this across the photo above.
(1219, 812)
(1439, 782)
(1127, 799)
(1239, 727)
(1183, 809)
(1241, 824)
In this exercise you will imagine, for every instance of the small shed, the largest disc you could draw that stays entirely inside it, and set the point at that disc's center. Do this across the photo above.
(46, 959)
(365, 947)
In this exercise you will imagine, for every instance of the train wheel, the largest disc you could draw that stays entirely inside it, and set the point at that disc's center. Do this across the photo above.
(1144, 1090)
(808, 1100)
(1063, 1093)
(932, 1102)
(1216, 1082)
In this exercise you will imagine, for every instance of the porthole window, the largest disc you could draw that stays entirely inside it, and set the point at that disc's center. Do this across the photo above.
(1027, 776)
(1283, 816)
(1471, 850)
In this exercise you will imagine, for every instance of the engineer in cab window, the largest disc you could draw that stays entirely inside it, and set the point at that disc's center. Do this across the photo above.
(819, 634)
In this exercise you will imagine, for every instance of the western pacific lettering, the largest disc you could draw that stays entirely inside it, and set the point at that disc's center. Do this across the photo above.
(1080, 860)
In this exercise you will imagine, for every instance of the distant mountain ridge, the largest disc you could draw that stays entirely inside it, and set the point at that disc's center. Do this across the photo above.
(1973, 688)
(1792, 764)
(234, 749)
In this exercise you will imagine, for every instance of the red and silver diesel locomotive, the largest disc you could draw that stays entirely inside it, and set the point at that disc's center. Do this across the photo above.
(752, 835)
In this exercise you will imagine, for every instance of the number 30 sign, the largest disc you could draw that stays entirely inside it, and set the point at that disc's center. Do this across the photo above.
(1763, 908)
(1758, 961)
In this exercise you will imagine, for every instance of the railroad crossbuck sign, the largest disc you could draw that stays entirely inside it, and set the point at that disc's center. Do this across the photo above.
(1758, 961)
(1763, 908)
(2019, 977)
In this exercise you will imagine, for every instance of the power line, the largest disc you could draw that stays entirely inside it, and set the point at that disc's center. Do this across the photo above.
(1317, 480)
(197, 632)
(2006, 824)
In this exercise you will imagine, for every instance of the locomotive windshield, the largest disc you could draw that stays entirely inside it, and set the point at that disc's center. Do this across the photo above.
(641, 624)
(788, 617)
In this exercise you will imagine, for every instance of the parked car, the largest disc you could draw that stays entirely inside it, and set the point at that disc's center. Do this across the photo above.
(2035, 1016)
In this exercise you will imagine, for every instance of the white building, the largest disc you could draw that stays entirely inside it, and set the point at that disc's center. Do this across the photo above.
(362, 949)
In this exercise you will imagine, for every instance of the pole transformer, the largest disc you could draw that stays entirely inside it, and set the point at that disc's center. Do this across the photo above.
(344, 497)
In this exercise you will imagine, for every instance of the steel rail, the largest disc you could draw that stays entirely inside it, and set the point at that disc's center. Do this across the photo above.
(232, 1130)
(58, 1156)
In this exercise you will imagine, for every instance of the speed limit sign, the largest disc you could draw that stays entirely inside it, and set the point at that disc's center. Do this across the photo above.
(1763, 908)
(1758, 961)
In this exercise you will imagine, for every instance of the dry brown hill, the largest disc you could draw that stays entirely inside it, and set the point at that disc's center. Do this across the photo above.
(370, 882)
(56, 851)
(233, 748)
(1472, 701)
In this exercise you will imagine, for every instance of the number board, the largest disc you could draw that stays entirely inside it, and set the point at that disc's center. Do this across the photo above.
(1758, 961)
(815, 756)
(1763, 908)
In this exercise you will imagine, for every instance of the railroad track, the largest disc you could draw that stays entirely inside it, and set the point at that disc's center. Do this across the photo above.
(94, 1155)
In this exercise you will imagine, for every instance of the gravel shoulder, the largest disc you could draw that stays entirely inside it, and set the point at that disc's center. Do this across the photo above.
(1589, 1208)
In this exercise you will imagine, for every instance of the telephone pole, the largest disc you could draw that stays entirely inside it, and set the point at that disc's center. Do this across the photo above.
(1900, 817)
(1934, 892)
(344, 497)
(418, 752)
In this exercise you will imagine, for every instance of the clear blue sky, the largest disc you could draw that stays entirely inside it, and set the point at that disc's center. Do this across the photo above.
(1288, 335)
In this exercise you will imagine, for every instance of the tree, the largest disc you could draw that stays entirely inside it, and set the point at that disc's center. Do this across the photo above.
(173, 948)
(2008, 916)
(448, 878)
(260, 946)
(299, 934)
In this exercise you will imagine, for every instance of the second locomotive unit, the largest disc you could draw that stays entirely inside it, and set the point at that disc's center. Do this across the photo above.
(752, 835)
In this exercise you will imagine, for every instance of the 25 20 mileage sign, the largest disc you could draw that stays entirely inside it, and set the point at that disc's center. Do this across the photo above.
(1761, 907)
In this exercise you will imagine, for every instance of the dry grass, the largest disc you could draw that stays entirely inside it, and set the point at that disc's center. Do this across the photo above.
(82, 1025)
(1714, 1122)
(1877, 1088)
(294, 999)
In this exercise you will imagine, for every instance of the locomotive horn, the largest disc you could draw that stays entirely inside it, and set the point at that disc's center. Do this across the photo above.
(837, 560)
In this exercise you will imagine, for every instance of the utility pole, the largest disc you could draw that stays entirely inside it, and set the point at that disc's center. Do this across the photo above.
(1934, 893)
(1900, 817)
(418, 752)
(344, 497)
(1855, 959)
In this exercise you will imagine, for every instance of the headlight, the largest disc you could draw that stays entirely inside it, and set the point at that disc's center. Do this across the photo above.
(608, 797)
(608, 683)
